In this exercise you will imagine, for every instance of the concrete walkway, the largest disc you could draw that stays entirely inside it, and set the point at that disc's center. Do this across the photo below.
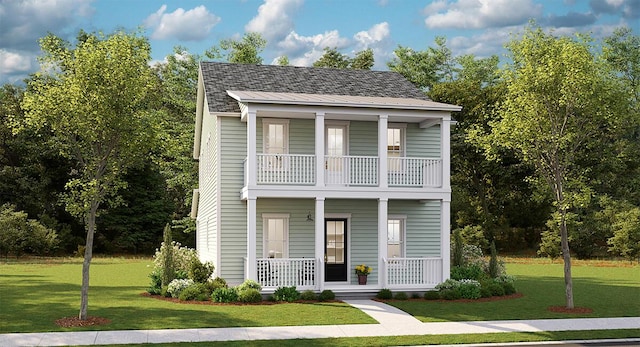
(392, 322)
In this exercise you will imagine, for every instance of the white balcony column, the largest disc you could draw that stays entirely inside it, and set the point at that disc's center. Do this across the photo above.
(445, 135)
(251, 239)
(319, 242)
(319, 149)
(383, 125)
(445, 243)
(383, 216)
(251, 149)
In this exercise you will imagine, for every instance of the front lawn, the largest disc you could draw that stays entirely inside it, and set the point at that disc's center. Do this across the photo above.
(34, 294)
(610, 291)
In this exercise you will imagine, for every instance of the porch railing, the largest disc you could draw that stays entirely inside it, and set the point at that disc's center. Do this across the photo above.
(351, 170)
(414, 172)
(286, 168)
(408, 272)
(279, 272)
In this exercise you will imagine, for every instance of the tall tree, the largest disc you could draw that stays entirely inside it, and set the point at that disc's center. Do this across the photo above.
(245, 51)
(94, 98)
(556, 102)
(331, 58)
(424, 68)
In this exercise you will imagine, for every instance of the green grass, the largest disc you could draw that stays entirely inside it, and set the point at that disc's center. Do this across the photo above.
(34, 294)
(608, 291)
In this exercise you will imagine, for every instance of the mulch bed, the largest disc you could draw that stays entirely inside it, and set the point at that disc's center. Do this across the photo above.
(211, 302)
(72, 322)
(493, 298)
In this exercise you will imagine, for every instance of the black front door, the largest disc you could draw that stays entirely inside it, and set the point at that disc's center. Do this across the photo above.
(335, 249)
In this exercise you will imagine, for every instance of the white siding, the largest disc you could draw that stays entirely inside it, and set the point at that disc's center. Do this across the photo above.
(423, 226)
(206, 234)
(423, 142)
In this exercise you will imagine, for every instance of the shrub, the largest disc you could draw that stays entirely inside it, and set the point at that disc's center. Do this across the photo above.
(249, 295)
(469, 289)
(401, 296)
(432, 295)
(493, 270)
(457, 251)
(224, 295)
(200, 272)
(288, 294)
(19, 235)
(472, 271)
(509, 288)
(178, 285)
(308, 295)
(549, 245)
(156, 283)
(485, 292)
(249, 284)
(384, 294)
(219, 282)
(196, 291)
(495, 289)
(415, 296)
(326, 295)
(450, 294)
(448, 284)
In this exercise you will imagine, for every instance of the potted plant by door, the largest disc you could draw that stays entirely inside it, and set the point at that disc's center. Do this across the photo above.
(363, 271)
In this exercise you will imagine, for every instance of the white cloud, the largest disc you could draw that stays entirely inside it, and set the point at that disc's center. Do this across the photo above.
(378, 38)
(295, 44)
(191, 25)
(474, 14)
(274, 20)
(14, 62)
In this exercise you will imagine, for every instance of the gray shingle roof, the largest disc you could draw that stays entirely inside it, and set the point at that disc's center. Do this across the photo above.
(220, 77)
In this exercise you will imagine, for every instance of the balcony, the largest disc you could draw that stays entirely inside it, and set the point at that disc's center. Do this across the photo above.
(348, 171)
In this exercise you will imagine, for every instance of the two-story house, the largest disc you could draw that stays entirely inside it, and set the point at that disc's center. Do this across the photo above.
(305, 173)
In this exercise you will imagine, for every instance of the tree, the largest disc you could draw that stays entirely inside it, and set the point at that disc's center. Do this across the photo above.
(245, 51)
(331, 58)
(283, 60)
(94, 98)
(363, 60)
(557, 100)
(424, 68)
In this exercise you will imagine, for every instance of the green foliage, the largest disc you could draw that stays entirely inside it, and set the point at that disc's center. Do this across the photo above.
(450, 294)
(473, 271)
(219, 282)
(245, 51)
(288, 294)
(155, 288)
(196, 291)
(331, 58)
(249, 284)
(225, 295)
(457, 253)
(494, 270)
(401, 296)
(550, 245)
(424, 68)
(176, 286)
(431, 295)
(308, 295)
(384, 294)
(326, 295)
(474, 235)
(200, 272)
(167, 266)
(626, 234)
(19, 235)
(249, 295)
(469, 289)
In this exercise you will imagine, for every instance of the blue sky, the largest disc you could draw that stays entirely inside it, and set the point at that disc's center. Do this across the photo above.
(300, 29)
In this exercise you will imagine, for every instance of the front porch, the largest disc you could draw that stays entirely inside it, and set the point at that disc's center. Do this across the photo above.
(308, 274)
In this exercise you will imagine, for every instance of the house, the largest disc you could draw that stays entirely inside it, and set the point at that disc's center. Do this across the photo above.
(305, 173)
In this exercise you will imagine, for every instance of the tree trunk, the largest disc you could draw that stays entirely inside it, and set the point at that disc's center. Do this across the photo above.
(88, 254)
(566, 255)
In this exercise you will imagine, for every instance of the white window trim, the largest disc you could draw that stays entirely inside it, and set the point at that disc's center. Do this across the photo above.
(403, 136)
(403, 233)
(265, 232)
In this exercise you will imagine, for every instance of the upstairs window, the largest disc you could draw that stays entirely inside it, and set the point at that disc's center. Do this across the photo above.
(275, 142)
(276, 235)
(395, 147)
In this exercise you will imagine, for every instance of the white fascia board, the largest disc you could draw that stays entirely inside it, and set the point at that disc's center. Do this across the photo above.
(200, 106)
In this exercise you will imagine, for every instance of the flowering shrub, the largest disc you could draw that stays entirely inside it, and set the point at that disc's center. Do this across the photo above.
(183, 257)
(448, 284)
(178, 285)
(363, 269)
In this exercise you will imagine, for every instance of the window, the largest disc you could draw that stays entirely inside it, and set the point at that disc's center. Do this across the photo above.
(395, 146)
(275, 141)
(276, 235)
(395, 237)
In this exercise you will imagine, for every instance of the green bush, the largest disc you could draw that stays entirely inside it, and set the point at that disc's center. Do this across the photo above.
(288, 294)
(196, 291)
(450, 294)
(509, 288)
(469, 289)
(200, 272)
(326, 295)
(384, 294)
(219, 282)
(401, 296)
(225, 295)
(249, 284)
(472, 271)
(308, 295)
(485, 292)
(432, 295)
(177, 286)
(415, 296)
(156, 283)
(19, 235)
(494, 288)
(249, 295)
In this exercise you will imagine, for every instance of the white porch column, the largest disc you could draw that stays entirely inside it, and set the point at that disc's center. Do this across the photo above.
(251, 149)
(445, 135)
(251, 239)
(319, 242)
(319, 150)
(383, 205)
(383, 125)
(445, 244)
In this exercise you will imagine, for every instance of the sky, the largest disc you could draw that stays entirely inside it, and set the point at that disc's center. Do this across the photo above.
(301, 29)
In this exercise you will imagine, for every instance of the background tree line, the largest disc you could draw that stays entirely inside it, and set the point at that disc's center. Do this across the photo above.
(500, 192)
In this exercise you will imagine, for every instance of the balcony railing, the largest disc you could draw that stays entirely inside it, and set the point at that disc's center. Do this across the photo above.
(413, 272)
(300, 169)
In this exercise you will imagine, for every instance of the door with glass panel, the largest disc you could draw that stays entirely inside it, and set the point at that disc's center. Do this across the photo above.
(335, 250)
(336, 150)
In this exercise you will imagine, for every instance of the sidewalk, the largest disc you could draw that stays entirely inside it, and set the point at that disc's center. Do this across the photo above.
(392, 322)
